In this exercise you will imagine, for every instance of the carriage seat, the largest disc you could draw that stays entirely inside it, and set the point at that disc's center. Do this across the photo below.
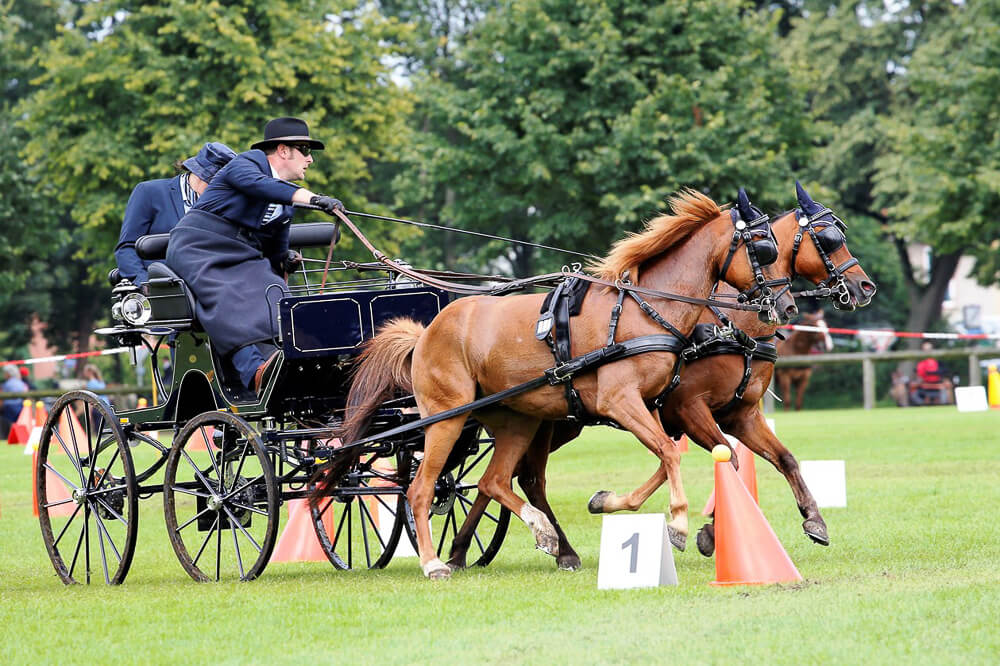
(171, 300)
(308, 234)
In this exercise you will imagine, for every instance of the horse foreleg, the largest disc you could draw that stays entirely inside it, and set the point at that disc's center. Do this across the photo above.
(513, 435)
(531, 478)
(754, 432)
(438, 442)
(463, 538)
(630, 412)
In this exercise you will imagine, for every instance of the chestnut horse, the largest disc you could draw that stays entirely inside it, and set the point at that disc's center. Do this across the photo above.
(706, 394)
(800, 343)
(485, 345)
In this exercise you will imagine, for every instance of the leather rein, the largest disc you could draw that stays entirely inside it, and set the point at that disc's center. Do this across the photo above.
(546, 279)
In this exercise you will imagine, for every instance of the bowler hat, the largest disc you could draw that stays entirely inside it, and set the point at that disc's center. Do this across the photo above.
(212, 157)
(287, 130)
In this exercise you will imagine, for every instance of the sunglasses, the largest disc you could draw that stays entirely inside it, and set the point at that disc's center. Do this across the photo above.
(302, 148)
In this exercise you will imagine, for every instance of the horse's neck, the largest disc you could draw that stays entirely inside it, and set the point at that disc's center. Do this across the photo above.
(746, 321)
(684, 271)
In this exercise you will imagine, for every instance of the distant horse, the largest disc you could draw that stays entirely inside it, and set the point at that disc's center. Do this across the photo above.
(797, 344)
(709, 388)
(485, 345)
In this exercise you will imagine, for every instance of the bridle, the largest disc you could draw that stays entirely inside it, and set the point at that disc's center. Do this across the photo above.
(828, 239)
(762, 250)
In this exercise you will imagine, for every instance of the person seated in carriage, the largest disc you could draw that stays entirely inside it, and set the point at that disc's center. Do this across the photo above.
(156, 206)
(933, 386)
(231, 248)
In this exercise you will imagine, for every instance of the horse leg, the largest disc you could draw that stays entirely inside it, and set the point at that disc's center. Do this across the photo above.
(785, 386)
(753, 431)
(800, 391)
(463, 538)
(513, 435)
(630, 412)
(438, 441)
(531, 478)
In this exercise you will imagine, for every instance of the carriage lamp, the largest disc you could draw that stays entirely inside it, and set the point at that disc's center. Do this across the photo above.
(136, 309)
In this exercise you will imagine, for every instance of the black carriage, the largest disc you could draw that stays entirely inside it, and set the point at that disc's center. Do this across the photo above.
(226, 460)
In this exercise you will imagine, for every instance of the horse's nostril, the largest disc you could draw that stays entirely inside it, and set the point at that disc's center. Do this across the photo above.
(868, 287)
(791, 311)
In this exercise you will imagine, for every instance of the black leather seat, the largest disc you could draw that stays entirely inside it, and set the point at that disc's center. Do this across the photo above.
(170, 298)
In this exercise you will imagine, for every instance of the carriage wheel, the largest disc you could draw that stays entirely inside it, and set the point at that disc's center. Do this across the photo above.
(85, 491)
(220, 499)
(454, 496)
(359, 524)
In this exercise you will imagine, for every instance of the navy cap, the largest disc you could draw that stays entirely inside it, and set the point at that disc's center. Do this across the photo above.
(212, 157)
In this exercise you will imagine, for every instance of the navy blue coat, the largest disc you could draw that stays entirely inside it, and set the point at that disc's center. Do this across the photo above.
(154, 207)
(229, 257)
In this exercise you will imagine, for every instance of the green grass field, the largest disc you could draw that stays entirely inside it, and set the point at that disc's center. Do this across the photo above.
(912, 575)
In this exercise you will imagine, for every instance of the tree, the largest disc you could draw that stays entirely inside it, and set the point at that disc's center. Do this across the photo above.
(941, 176)
(580, 117)
(129, 88)
(858, 59)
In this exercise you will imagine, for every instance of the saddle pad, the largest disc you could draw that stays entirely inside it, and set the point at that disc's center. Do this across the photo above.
(574, 292)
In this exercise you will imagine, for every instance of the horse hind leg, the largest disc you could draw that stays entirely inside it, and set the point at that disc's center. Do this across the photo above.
(438, 441)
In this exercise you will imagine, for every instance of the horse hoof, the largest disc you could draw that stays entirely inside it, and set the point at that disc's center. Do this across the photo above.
(436, 570)
(596, 503)
(816, 531)
(456, 564)
(678, 540)
(706, 540)
(569, 562)
(547, 544)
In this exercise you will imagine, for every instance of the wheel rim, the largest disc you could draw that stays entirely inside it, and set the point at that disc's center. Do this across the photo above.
(359, 524)
(85, 491)
(456, 492)
(220, 499)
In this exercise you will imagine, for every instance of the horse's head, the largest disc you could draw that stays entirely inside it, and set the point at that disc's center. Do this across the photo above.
(821, 336)
(816, 241)
(749, 262)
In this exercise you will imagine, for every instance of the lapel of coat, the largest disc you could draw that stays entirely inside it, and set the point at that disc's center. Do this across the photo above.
(175, 196)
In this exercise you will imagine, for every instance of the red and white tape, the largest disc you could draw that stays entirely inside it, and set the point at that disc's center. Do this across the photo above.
(895, 334)
(64, 357)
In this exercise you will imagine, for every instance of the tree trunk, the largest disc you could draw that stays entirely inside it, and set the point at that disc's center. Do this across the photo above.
(926, 299)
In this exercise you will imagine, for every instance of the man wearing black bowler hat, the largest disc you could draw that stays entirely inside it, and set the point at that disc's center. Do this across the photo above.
(231, 248)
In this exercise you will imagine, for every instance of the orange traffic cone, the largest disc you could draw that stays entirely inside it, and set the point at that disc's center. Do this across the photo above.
(41, 414)
(200, 438)
(21, 430)
(69, 426)
(747, 552)
(55, 491)
(298, 542)
(747, 472)
(682, 443)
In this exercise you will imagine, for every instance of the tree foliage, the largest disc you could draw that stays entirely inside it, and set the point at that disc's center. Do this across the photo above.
(575, 119)
(121, 103)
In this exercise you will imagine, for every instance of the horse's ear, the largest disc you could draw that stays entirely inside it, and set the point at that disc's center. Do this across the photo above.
(808, 206)
(744, 206)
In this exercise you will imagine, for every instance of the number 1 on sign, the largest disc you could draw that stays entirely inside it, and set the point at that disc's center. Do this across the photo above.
(633, 543)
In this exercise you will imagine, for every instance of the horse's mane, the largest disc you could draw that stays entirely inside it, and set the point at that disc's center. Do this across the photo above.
(690, 209)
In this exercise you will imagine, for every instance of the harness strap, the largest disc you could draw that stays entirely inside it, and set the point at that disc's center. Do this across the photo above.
(552, 377)
(658, 318)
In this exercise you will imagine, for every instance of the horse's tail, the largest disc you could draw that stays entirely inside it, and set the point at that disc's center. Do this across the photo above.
(382, 368)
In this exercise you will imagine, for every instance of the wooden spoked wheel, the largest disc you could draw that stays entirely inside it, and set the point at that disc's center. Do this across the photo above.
(85, 491)
(220, 499)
